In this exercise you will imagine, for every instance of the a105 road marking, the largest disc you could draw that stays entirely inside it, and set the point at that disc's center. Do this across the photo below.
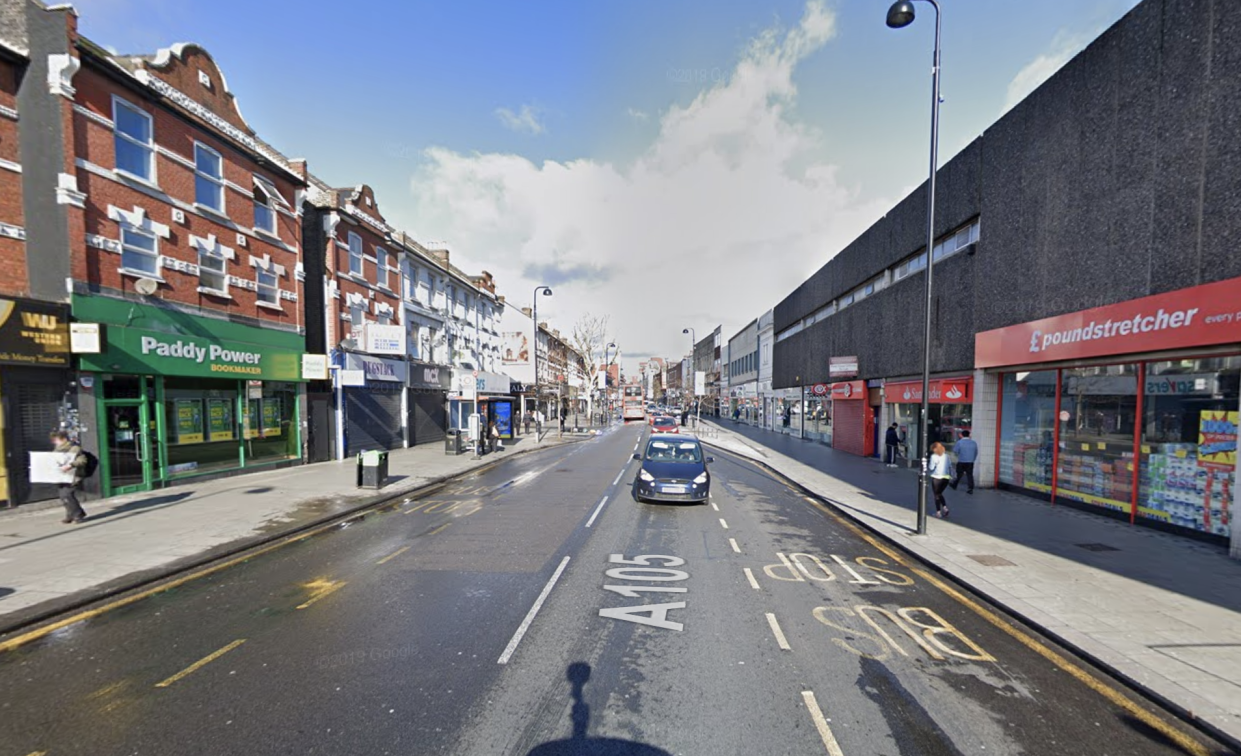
(644, 569)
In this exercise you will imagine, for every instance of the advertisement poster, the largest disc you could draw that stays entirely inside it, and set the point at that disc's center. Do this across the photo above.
(516, 350)
(220, 420)
(271, 417)
(1217, 437)
(250, 422)
(189, 421)
(504, 418)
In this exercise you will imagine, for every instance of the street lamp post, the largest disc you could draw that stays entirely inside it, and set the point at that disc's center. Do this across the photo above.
(607, 367)
(900, 15)
(545, 291)
(693, 341)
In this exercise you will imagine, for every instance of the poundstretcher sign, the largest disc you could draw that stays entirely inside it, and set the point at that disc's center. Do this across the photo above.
(1198, 316)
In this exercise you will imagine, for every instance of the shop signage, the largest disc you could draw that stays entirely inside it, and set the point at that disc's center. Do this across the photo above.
(352, 378)
(141, 338)
(1197, 316)
(385, 339)
(85, 338)
(1202, 384)
(315, 367)
(377, 368)
(842, 367)
(849, 390)
(941, 391)
(33, 333)
(422, 376)
(820, 389)
(483, 381)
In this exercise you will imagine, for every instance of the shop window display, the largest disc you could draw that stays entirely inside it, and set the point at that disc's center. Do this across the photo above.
(1027, 431)
(1188, 446)
(268, 423)
(199, 416)
(947, 422)
(1098, 414)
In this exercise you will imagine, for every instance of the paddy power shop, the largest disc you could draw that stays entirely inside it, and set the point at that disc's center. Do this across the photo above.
(177, 396)
(1129, 409)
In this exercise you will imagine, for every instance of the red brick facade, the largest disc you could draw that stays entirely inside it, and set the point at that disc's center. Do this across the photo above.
(166, 206)
(13, 278)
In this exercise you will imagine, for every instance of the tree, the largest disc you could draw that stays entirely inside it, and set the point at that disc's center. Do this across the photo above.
(589, 339)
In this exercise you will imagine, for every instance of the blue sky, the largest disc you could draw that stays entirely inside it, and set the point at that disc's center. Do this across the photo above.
(623, 148)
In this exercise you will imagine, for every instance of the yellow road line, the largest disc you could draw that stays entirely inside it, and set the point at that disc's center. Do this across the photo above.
(394, 554)
(38, 753)
(440, 528)
(200, 663)
(1186, 743)
(820, 724)
(319, 589)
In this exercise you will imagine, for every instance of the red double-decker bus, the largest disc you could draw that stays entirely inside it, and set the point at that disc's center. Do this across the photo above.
(632, 405)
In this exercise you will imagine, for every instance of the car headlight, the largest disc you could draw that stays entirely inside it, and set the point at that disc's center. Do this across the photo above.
(701, 479)
(644, 475)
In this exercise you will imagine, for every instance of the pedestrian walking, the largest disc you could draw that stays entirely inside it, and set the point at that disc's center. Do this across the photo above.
(788, 416)
(493, 435)
(529, 416)
(562, 424)
(72, 460)
(941, 474)
(892, 442)
(967, 455)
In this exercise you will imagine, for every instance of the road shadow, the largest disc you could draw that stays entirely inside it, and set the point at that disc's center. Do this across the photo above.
(581, 744)
(6, 591)
(140, 504)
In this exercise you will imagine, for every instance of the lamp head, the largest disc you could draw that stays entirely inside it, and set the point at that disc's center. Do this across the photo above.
(901, 14)
(547, 291)
(684, 330)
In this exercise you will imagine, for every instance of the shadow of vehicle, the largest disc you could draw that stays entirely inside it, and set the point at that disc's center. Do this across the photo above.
(580, 744)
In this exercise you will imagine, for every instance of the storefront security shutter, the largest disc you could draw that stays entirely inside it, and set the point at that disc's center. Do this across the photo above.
(372, 420)
(35, 410)
(427, 417)
(849, 426)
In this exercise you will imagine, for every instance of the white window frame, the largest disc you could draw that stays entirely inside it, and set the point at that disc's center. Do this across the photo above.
(274, 287)
(153, 253)
(218, 181)
(205, 256)
(148, 147)
(381, 266)
(356, 253)
(271, 212)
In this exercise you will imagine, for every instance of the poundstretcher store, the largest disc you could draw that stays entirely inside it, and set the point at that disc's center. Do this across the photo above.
(176, 396)
(1129, 409)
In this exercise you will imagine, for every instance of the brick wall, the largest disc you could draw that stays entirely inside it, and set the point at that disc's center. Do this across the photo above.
(13, 274)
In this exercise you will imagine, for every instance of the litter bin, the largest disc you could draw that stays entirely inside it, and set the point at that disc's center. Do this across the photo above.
(372, 469)
(452, 441)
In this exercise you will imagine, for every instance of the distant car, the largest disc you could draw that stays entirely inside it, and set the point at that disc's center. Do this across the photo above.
(674, 468)
(663, 424)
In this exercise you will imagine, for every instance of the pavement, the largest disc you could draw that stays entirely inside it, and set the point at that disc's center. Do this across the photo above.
(1160, 611)
(47, 567)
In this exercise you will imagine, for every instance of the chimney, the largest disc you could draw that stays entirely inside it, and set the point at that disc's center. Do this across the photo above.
(440, 256)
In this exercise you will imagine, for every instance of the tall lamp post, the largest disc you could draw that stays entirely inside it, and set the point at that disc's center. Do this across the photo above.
(607, 365)
(900, 15)
(545, 291)
(693, 341)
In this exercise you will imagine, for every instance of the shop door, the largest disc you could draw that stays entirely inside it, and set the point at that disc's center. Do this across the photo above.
(128, 448)
(372, 420)
(33, 414)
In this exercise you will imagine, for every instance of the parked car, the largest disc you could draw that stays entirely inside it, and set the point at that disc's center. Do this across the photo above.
(673, 468)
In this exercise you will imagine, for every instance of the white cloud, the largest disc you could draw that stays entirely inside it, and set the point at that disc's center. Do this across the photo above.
(1063, 47)
(526, 119)
(720, 217)
(638, 115)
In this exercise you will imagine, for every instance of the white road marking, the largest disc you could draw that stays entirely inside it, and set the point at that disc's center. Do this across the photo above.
(820, 722)
(750, 576)
(618, 476)
(713, 505)
(733, 542)
(538, 604)
(598, 509)
(725, 524)
(776, 631)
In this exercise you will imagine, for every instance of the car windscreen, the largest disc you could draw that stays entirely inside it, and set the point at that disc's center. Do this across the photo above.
(666, 422)
(674, 451)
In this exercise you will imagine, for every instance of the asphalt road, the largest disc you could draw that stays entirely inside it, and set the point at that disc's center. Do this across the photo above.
(535, 608)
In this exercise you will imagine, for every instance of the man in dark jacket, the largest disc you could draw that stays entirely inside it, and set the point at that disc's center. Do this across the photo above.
(73, 460)
(891, 440)
(967, 454)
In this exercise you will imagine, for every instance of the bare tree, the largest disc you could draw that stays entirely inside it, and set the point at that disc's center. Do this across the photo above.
(589, 338)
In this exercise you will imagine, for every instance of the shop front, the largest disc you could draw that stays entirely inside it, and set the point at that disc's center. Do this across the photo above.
(854, 424)
(1129, 409)
(427, 405)
(950, 406)
(375, 411)
(485, 394)
(819, 412)
(174, 395)
(35, 391)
